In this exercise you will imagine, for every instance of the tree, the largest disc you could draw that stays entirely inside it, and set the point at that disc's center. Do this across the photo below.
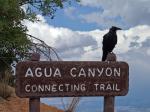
(13, 38)
(12, 34)
(45, 7)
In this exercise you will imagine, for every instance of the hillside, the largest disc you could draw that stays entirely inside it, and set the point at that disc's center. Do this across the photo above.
(16, 104)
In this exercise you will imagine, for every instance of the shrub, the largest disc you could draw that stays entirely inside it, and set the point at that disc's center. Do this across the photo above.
(5, 90)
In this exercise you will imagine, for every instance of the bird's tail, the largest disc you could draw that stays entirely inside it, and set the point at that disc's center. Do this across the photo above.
(104, 55)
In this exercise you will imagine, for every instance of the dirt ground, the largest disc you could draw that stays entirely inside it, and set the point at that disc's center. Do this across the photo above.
(16, 104)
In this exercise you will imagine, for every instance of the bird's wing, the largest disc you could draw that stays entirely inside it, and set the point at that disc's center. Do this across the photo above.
(106, 39)
(108, 42)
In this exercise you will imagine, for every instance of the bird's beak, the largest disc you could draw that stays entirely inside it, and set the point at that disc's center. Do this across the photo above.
(119, 28)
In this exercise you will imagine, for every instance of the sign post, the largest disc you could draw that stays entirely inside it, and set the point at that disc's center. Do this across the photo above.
(35, 79)
(34, 103)
(109, 101)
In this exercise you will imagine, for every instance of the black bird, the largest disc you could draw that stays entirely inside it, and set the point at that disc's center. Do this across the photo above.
(109, 41)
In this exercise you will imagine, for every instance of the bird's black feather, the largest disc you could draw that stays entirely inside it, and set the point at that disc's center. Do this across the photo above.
(109, 42)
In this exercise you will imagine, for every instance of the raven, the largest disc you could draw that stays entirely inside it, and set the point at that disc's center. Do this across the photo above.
(109, 41)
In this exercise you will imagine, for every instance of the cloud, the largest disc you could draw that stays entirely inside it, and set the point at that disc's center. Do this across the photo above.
(69, 11)
(82, 45)
(67, 42)
(128, 40)
(148, 52)
(146, 43)
(101, 19)
(125, 13)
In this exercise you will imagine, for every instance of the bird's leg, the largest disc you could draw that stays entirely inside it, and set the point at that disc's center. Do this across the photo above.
(105, 53)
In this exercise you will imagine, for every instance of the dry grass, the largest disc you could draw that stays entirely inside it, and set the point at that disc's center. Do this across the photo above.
(5, 90)
(16, 104)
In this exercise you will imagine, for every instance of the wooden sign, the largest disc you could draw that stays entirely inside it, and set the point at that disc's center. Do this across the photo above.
(71, 78)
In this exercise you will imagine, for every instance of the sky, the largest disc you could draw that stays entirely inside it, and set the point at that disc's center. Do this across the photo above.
(77, 31)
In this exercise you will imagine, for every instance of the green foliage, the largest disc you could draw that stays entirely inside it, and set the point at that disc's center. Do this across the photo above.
(45, 7)
(13, 40)
(14, 43)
